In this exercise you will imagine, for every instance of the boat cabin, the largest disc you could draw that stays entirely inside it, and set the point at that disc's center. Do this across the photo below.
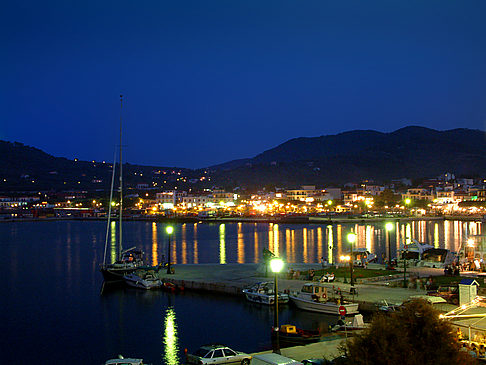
(438, 257)
(314, 292)
(288, 328)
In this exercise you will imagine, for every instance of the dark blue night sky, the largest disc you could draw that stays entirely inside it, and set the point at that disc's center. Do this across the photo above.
(211, 81)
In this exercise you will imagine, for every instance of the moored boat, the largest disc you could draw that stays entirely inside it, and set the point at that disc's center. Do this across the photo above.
(314, 297)
(357, 323)
(127, 260)
(264, 293)
(143, 280)
(130, 260)
(292, 335)
(124, 361)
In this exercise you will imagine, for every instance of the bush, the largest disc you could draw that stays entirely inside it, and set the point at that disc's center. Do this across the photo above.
(414, 336)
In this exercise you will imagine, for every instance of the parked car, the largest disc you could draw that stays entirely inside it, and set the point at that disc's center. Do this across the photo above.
(449, 292)
(218, 354)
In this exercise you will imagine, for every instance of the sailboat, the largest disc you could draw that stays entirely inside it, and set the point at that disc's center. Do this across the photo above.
(127, 260)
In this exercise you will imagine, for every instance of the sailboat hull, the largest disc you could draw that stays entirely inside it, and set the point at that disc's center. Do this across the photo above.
(116, 274)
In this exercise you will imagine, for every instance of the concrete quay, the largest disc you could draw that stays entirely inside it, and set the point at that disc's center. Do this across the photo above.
(232, 278)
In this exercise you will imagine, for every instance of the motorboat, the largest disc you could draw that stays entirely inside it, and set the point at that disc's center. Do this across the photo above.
(414, 250)
(361, 256)
(357, 323)
(315, 297)
(423, 254)
(124, 361)
(264, 293)
(292, 335)
(145, 280)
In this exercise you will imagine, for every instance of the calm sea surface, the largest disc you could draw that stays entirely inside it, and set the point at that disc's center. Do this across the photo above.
(52, 310)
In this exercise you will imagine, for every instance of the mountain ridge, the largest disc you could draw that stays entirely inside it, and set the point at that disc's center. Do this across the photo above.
(413, 152)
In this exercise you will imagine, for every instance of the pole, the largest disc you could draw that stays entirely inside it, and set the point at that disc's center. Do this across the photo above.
(389, 248)
(168, 257)
(275, 318)
(121, 181)
(405, 269)
(351, 264)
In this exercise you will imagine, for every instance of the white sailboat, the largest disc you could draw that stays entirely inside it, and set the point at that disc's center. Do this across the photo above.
(130, 259)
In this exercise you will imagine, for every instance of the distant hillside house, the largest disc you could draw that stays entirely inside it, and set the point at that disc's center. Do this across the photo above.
(306, 192)
(223, 196)
(192, 201)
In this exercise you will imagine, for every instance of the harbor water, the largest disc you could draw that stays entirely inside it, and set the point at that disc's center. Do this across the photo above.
(53, 310)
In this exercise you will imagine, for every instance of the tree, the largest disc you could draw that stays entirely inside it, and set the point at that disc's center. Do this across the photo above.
(387, 198)
(413, 336)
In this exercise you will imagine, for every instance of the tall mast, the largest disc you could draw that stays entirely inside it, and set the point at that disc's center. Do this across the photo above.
(121, 181)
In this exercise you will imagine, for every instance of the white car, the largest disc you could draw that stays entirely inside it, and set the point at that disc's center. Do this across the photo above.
(218, 354)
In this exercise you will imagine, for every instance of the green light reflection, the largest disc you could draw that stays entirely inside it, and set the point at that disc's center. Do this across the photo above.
(171, 347)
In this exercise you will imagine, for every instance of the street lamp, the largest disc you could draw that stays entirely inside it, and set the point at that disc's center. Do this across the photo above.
(351, 239)
(276, 265)
(345, 258)
(388, 227)
(169, 230)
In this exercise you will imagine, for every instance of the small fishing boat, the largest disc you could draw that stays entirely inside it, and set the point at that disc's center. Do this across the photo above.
(292, 335)
(264, 293)
(357, 323)
(124, 361)
(142, 280)
(168, 286)
(314, 297)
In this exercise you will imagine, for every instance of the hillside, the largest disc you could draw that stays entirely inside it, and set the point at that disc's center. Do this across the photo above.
(413, 152)
(25, 168)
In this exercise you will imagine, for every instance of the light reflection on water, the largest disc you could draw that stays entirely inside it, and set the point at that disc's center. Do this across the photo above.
(51, 285)
(170, 343)
(243, 242)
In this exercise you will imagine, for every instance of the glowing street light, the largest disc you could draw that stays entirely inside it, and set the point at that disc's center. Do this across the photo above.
(351, 239)
(345, 258)
(276, 265)
(169, 230)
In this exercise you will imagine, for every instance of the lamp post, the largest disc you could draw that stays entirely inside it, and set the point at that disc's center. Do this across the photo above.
(169, 230)
(388, 228)
(405, 254)
(351, 239)
(344, 258)
(276, 265)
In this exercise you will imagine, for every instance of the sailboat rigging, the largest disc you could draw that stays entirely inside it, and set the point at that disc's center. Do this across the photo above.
(129, 260)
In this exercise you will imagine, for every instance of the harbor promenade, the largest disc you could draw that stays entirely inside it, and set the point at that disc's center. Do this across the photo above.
(232, 278)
